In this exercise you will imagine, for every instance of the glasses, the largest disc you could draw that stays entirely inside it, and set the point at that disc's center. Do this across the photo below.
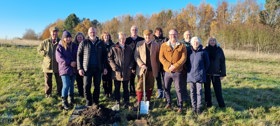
(172, 34)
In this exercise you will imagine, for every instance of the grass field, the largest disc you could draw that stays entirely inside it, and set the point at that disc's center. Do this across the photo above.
(251, 91)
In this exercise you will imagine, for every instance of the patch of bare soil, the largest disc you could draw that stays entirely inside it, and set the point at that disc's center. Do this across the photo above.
(94, 116)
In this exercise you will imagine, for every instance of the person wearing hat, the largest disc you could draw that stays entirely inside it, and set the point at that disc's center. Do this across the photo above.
(173, 55)
(146, 57)
(66, 53)
(49, 65)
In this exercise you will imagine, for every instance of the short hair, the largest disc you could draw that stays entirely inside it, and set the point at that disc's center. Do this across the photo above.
(121, 33)
(133, 26)
(174, 30)
(195, 38)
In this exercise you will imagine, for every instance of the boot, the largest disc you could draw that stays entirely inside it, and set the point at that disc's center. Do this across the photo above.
(72, 101)
(160, 93)
(65, 103)
(139, 96)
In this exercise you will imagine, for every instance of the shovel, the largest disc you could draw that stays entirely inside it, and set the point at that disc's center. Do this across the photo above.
(144, 105)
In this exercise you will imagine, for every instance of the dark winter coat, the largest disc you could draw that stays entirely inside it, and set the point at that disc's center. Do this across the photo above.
(198, 65)
(108, 47)
(217, 61)
(121, 61)
(65, 57)
(84, 54)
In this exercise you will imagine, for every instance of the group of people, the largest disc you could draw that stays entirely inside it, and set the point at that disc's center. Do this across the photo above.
(151, 59)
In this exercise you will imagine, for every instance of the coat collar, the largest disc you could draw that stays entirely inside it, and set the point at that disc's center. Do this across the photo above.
(169, 43)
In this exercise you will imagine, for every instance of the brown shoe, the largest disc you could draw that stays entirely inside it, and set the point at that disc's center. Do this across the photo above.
(168, 106)
(179, 110)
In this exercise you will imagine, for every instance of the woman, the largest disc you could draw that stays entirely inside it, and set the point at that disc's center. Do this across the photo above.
(79, 79)
(121, 61)
(66, 54)
(197, 67)
(215, 73)
(107, 78)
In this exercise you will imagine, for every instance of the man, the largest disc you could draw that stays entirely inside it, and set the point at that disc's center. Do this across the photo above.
(173, 57)
(160, 83)
(50, 66)
(187, 42)
(146, 57)
(187, 39)
(91, 58)
(131, 42)
(121, 61)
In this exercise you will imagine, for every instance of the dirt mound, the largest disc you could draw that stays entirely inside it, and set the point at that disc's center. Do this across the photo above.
(94, 116)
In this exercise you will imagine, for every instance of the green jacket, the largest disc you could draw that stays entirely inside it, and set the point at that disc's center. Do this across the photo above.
(47, 50)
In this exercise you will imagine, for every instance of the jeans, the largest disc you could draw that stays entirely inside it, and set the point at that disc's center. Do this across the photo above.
(68, 85)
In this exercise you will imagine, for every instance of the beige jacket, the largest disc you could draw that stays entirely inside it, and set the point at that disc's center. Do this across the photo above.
(140, 57)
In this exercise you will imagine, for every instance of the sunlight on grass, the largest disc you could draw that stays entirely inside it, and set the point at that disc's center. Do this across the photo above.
(251, 92)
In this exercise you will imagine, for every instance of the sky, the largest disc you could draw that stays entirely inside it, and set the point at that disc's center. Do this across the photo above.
(19, 15)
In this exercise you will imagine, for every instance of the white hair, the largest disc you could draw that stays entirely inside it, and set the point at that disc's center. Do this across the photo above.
(196, 39)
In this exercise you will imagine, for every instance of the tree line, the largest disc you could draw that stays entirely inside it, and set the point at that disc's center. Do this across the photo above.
(245, 25)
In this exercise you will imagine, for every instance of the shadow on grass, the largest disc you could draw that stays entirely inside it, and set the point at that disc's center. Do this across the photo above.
(246, 98)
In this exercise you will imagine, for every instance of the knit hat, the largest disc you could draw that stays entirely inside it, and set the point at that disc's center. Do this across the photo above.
(66, 34)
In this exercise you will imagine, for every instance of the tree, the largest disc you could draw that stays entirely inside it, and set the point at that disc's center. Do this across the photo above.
(205, 16)
(71, 22)
(83, 26)
(126, 21)
(271, 15)
(112, 27)
(141, 22)
(30, 35)
(46, 33)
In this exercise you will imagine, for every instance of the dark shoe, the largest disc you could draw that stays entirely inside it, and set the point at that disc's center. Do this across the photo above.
(126, 106)
(168, 106)
(72, 101)
(136, 106)
(65, 103)
(198, 111)
(208, 105)
(132, 94)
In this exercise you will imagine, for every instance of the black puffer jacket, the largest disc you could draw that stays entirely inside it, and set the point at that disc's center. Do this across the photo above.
(83, 54)
(217, 61)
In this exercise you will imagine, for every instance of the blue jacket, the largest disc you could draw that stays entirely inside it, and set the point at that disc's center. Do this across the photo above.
(198, 65)
(64, 59)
